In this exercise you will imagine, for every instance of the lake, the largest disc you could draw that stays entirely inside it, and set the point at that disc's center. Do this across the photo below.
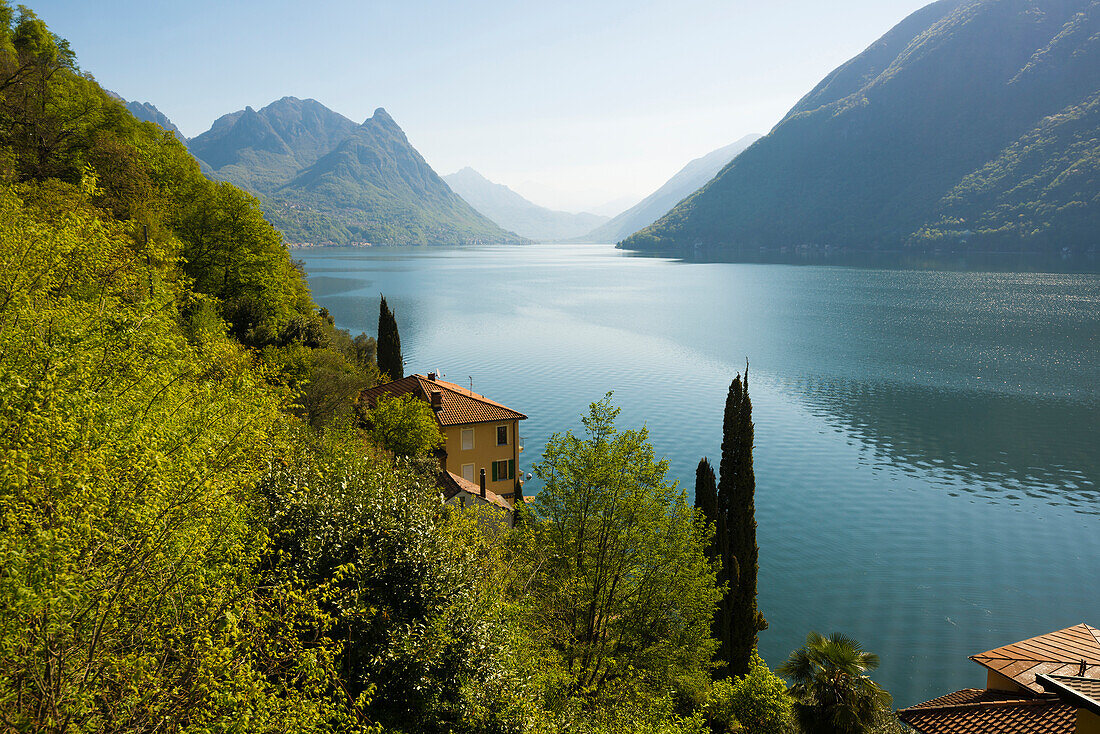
(927, 453)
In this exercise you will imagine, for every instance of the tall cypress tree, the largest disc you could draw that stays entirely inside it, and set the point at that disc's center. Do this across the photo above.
(706, 500)
(739, 620)
(390, 362)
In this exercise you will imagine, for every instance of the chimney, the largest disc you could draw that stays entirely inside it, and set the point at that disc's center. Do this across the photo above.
(431, 376)
(437, 400)
(482, 484)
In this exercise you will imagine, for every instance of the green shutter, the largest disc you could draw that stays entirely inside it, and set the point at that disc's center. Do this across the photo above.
(494, 471)
(511, 468)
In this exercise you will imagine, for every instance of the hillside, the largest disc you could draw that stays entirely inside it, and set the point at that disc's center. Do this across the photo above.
(513, 212)
(324, 179)
(897, 148)
(688, 180)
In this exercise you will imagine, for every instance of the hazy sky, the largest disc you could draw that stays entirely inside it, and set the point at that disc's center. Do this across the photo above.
(573, 104)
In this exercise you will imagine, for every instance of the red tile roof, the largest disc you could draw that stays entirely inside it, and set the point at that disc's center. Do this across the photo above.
(452, 484)
(1083, 692)
(460, 406)
(978, 711)
(1064, 652)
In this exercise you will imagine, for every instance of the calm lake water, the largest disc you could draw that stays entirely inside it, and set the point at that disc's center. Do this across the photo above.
(927, 453)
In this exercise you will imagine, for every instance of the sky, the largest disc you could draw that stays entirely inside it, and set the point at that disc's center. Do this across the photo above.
(578, 105)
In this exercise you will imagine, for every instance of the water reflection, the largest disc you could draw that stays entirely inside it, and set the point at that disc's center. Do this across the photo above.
(994, 445)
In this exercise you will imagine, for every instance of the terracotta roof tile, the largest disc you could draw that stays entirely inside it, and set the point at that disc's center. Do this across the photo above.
(975, 711)
(460, 406)
(968, 696)
(452, 483)
(1083, 692)
(1055, 653)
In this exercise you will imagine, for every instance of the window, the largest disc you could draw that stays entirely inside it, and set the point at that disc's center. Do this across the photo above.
(468, 472)
(467, 439)
(503, 470)
(502, 435)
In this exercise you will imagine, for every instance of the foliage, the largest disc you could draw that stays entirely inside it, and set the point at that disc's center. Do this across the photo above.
(400, 583)
(615, 578)
(755, 703)
(706, 501)
(57, 124)
(831, 686)
(390, 362)
(128, 541)
(404, 425)
(738, 619)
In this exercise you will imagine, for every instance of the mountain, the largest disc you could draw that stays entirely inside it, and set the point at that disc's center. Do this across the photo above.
(971, 125)
(375, 187)
(515, 213)
(263, 150)
(688, 180)
(147, 112)
(324, 179)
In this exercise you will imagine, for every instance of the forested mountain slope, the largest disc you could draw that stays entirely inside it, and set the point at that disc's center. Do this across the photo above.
(971, 125)
(325, 180)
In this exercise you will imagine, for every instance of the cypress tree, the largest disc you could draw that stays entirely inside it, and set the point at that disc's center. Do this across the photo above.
(739, 620)
(706, 500)
(390, 362)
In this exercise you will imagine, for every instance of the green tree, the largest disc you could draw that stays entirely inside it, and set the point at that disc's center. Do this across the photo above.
(834, 694)
(404, 425)
(390, 361)
(756, 703)
(129, 533)
(706, 500)
(400, 585)
(619, 587)
(738, 618)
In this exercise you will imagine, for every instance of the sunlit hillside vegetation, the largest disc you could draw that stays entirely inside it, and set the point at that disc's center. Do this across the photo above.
(198, 535)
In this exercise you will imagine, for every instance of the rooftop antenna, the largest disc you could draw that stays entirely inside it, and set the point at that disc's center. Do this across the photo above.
(471, 383)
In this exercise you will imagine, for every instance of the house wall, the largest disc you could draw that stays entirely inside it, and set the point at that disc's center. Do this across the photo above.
(994, 681)
(1087, 722)
(484, 452)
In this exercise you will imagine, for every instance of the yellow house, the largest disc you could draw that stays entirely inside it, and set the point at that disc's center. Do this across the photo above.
(480, 455)
(1044, 685)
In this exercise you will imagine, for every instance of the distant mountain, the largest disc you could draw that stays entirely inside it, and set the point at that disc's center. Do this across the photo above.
(324, 179)
(263, 150)
(689, 179)
(972, 125)
(147, 112)
(511, 211)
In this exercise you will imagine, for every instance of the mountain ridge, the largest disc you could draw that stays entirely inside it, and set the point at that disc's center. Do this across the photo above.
(696, 173)
(886, 153)
(512, 211)
(323, 179)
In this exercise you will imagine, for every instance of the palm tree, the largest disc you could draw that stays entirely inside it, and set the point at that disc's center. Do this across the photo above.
(833, 693)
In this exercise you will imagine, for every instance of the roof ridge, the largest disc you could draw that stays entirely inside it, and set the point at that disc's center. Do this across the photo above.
(987, 704)
(425, 382)
(1092, 631)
